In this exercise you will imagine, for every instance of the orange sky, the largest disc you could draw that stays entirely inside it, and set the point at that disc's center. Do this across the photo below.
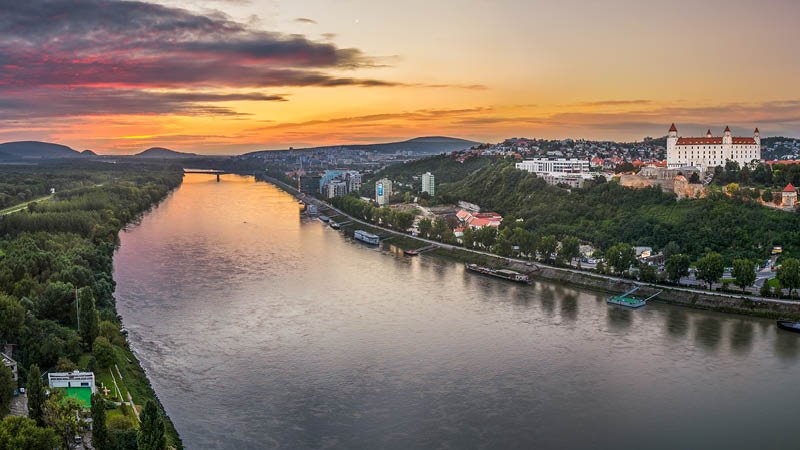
(234, 76)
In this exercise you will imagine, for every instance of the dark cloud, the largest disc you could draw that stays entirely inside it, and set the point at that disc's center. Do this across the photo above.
(87, 52)
(49, 102)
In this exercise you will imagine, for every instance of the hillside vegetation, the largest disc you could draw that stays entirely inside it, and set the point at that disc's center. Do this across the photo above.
(606, 213)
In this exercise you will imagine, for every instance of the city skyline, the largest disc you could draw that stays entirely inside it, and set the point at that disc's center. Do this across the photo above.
(226, 77)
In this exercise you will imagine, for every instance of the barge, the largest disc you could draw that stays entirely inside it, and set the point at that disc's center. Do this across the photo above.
(367, 237)
(505, 274)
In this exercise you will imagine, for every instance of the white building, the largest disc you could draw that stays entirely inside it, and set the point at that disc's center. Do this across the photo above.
(335, 188)
(429, 183)
(383, 191)
(710, 151)
(572, 172)
(74, 379)
(541, 166)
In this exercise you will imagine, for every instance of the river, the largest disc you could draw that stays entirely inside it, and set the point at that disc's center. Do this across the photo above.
(262, 329)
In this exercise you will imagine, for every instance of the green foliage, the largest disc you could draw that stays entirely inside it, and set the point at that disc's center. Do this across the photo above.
(486, 237)
(124, 439)
(21, 433)
(606, 213)
(88, 325)
(710, 268)
(99, 430)
(789, 274)
(677, 267)
(7, 388)
(744, 272)
(570, 248)
(65, 365)
(103, 352)
(672, 248)
(151, 430)
(36, 395)
(62, 414)
(648, 274)
(620, 256)
(765, 291)
(425, 226)
(444, 167)
(12, 316)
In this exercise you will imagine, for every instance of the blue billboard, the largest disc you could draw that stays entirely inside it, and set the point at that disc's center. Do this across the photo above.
(380, 188)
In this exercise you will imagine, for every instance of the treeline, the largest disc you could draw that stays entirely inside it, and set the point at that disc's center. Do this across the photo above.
(605, 214)
(57, 304)
(387, 217)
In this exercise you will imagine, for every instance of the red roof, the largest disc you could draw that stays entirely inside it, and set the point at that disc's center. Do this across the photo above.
(727, 129)
(708, 133)
(672, 128)
(756, 129)
(714, 141)
(783, 162)
(789, 188)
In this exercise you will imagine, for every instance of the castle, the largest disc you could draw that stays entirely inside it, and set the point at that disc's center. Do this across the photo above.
(709, 151)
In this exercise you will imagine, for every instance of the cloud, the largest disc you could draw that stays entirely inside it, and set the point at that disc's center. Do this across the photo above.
(616, 103)
(94, 55)
(305, 20)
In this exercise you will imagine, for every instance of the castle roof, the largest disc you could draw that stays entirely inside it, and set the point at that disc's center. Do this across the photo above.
(672, 128)
(789, 188)
(714, 141)
(756, 130)
(727, 129)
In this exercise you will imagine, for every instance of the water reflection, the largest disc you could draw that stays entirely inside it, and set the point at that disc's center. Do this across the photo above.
(282, 333)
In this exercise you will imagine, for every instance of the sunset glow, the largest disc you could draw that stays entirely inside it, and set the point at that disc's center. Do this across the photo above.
(226, 77)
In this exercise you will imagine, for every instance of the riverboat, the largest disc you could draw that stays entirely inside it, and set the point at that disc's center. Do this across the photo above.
(311, 210)
(366, 237)
(334, 225)
(324, 218)
(789, 325)
(505, 274)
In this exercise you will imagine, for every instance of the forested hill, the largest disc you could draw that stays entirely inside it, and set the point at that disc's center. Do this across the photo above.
(36, 150)
(428, 145)
(607, 213)
(445, 168)
(54, 252)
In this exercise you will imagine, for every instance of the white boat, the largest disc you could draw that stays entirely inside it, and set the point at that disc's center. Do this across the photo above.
(369, 238)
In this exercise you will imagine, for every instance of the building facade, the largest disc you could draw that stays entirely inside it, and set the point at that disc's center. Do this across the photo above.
(541, 166)
(711, 151)
(383, 191)
(339, 182)
(74, 379)
(11, 364)
(335, 188)
(429, 183)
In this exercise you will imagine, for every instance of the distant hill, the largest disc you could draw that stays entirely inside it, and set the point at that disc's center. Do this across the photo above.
(37, 150)
(428, 145)
(163, 153)
(88, 152)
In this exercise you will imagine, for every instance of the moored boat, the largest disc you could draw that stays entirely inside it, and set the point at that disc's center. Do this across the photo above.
(367, 237)
(411, 252)
(311, 210)
(324, 218)
(334, 225)
(630, 302)
(505, 274)
(789, 325)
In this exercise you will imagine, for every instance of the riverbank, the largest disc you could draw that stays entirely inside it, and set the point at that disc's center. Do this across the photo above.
(688, 297)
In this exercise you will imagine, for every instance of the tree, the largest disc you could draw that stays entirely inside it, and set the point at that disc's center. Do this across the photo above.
(710, 268)
(486, 236)
(620, 256)
(767, 195)
(425, 225)
(22, 433)
(672, 248)
(648, 274)
(151, 430)
(789, 274)
(403, 220)
(103, 352)
(694, 178)
(62, 414)
(677, 267)
(12, 316)
(765, 291)
(570, 248)
(439, 228)
(503, 245)
(548, 246)
(732, 189)
(124, 439)
(36, 395)
(467, 237)
(88, 323)
(744, 272)
(65, 365)
(99, 430)
(7, 388)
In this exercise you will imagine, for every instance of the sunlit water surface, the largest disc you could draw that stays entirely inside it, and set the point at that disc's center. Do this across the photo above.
(260, 328)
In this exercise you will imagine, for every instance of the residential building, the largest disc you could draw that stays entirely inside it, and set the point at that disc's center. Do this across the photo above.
(383, 191)
(541, 166)
(711, 151)
(335, 188)
(479, 220)
(429, 183)
(339, 182)
(80, 385)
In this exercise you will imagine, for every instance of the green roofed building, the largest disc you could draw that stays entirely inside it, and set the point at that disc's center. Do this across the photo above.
(75, 384)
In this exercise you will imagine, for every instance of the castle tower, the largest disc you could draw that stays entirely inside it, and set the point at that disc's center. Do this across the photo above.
(708, 133)
(757, 137)
(672, 140)
(727, 139)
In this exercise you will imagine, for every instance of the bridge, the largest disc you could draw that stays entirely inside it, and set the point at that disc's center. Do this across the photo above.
(207, 172)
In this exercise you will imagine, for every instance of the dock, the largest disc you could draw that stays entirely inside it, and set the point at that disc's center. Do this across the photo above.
(421, 250)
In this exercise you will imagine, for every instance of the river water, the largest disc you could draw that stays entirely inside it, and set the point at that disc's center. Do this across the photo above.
(263, 329)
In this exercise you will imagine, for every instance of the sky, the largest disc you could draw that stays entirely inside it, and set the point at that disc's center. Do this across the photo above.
(232, 76)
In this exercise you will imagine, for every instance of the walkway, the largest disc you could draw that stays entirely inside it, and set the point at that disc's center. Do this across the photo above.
(21, 206)
(563, 269)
